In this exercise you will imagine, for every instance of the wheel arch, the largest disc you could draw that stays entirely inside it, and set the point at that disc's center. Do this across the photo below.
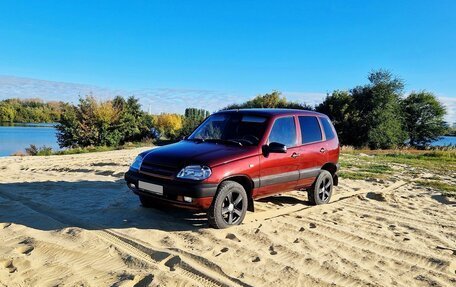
(247, 184)
(332, 168)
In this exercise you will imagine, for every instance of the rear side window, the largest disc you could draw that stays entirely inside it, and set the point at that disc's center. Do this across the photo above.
(327, 127)
(310, 129)
(284, 132)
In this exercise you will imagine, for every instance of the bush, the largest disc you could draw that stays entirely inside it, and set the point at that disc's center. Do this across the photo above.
(168, 125)
(33, 150)
(102, 123)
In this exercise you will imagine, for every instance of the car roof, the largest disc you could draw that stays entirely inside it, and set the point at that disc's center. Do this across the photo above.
(272, 112)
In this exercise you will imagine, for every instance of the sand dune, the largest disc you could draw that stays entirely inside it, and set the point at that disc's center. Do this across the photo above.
(71, 221)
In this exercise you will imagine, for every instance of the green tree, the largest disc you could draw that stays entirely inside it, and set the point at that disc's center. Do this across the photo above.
(377, 120)
(369, 115)
(339, 107)
(102, 123)
(7, 113)
(272, 100)
(424, 118)
(192, 118)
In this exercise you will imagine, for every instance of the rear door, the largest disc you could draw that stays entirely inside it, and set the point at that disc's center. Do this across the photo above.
(279, 171)
(312, 149)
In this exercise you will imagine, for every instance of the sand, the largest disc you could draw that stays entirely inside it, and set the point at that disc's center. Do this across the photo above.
(71, 221)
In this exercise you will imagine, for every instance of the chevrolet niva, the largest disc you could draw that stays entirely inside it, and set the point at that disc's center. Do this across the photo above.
(234, 157)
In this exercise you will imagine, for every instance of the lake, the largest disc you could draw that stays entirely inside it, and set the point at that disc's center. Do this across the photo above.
(17, 137)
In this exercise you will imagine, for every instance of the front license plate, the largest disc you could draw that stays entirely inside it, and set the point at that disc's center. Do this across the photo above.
(150, 187)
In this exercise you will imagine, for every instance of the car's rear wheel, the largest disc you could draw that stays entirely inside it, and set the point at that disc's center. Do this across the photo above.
(321, 190)
(147, 202)
(229, 205)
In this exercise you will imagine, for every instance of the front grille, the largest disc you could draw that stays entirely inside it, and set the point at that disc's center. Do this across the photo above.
(157, 170)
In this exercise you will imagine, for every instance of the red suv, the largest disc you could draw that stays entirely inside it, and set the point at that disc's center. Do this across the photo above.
(236, 156)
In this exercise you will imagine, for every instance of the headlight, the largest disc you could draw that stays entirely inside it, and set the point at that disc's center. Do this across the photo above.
(196, 172)
(136, 163)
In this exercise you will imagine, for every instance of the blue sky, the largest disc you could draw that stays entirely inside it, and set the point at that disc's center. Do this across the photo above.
(242, 48)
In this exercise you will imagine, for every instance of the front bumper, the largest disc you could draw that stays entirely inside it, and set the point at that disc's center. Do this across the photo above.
(174, 191)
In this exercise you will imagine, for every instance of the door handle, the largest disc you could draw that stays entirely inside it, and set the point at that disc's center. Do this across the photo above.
(295, 155)
(322, 150)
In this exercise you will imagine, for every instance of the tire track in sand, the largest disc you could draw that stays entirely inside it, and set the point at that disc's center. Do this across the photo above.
(165, 260)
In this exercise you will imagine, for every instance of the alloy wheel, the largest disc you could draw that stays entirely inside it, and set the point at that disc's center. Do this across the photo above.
(324, 190)
(232, 208)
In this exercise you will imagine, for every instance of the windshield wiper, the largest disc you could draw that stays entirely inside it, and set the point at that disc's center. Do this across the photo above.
(235, 142)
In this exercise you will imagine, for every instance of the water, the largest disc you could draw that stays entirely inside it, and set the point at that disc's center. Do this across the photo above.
(15, 138)
(445, 141)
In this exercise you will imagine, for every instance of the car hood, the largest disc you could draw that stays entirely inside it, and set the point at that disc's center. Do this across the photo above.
(183, 153)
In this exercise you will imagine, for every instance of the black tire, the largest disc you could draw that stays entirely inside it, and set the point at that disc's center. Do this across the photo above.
(229, 205)
(321, 190)
(147, 202)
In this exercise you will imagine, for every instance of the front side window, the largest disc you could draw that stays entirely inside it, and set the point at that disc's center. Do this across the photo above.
(238, 128)
(284, 131)
(310, 129)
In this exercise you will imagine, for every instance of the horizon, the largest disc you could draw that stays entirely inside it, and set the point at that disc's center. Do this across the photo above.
(168, 54)
(176, 99)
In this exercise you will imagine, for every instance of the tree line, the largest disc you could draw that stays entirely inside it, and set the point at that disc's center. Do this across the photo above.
(376, 115)
(29, 111)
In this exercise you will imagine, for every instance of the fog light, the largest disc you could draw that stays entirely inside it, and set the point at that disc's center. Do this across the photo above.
(187, 199)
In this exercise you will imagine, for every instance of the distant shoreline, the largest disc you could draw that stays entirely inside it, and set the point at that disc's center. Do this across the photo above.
(47, 125)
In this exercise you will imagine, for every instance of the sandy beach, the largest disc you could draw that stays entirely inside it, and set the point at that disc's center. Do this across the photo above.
(71, 221)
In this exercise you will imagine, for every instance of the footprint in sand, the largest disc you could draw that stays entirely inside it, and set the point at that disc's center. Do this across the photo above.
(231, 236)
(8, 264)
(272, 251)
(224, 249)
(5, 225)
(312, 225)
(172, 262)
(257, 259)
(26, 249)
(301, 229)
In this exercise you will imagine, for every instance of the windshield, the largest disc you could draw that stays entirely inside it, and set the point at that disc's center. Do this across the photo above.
(245, 130)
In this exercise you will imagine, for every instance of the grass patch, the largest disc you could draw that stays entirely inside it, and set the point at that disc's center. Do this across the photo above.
(46, 151)
(434, 161)
(446, 189)
(377, 169)
(353, 175)
(360, 175)
(101, 148)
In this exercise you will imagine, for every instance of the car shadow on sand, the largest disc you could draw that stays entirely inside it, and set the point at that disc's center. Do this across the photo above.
(51, 205)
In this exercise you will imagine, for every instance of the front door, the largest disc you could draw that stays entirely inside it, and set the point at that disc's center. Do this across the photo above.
(279, 171)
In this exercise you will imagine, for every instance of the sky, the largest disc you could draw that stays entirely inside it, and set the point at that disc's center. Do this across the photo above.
(231, 50)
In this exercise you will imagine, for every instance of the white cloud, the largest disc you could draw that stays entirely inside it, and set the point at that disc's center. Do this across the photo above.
(450, 104)
(160, 99)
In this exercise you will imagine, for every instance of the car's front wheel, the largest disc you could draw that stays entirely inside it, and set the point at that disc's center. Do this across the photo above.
(229, 205)
(321, 190)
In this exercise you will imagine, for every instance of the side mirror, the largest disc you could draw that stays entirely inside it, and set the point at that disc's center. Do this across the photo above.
(276, 147)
